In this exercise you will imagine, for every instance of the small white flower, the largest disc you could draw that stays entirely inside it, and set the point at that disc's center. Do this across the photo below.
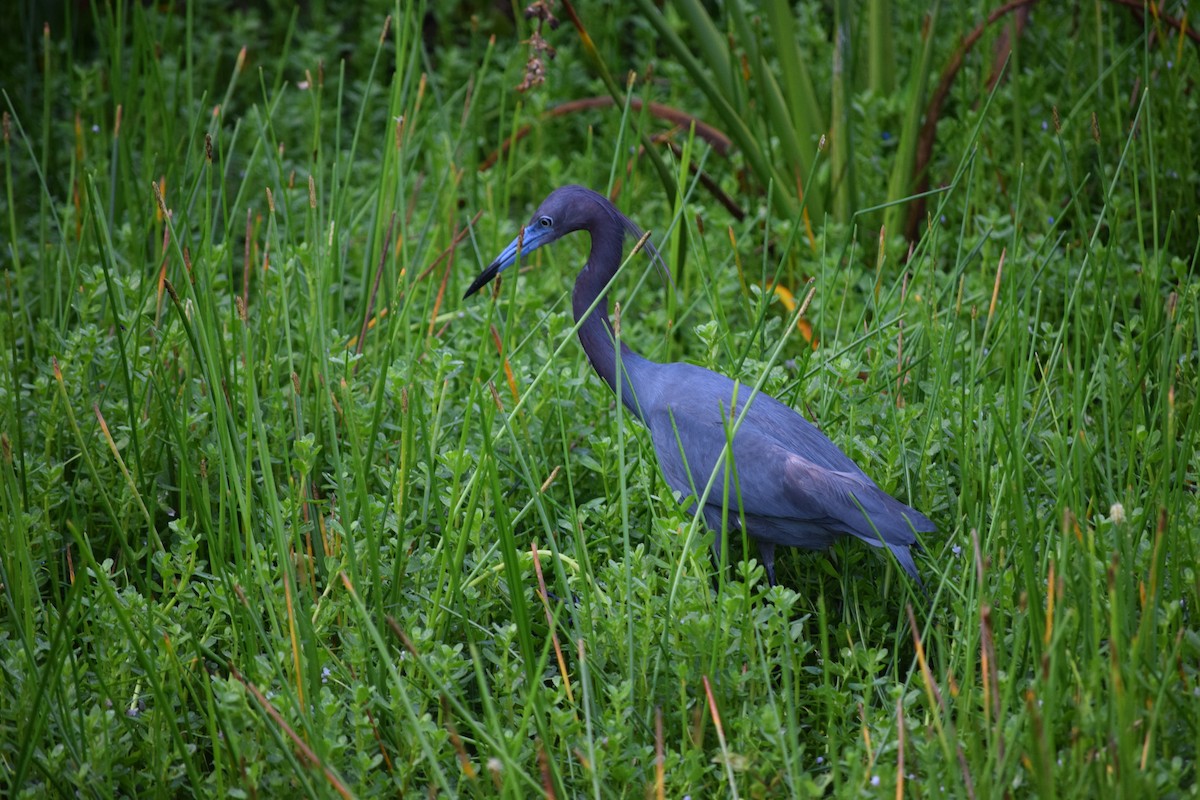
(1117, 513)
(874, 780)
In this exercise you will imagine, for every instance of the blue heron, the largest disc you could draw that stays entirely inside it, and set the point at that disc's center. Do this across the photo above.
(790, 484)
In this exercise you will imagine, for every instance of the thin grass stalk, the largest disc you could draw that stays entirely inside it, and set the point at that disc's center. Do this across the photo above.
(881, 54)
(48, 299)
(807, 111)
(785, 117)
(901, 180)
(44, 212)
(741, 134)
(713, 47)
(280, 734)
(136, 640)
(589, 48)
(841, 145)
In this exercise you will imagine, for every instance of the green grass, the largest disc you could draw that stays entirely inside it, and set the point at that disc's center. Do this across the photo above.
(283, 514)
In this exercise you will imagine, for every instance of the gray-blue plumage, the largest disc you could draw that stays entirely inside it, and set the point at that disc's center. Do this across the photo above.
(796, 488)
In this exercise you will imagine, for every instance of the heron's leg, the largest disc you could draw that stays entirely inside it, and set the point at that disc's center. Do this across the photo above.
(572, 601)
(766, 552)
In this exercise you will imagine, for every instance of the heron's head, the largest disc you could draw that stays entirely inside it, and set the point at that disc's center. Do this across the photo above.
(566, 210)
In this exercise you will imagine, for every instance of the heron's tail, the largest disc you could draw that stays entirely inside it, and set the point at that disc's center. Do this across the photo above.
(903, 554)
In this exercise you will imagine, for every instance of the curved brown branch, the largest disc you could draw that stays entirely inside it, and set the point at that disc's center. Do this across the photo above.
(934, 110)
(1179, 25)
(715, 138)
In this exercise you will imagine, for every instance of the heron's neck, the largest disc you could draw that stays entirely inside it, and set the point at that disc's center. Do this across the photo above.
(596, 332)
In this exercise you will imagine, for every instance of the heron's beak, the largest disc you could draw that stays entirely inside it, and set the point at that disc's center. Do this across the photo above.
(484, 279)
(528, 240)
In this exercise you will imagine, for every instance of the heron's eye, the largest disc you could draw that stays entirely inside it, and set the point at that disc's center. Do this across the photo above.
(545, 222)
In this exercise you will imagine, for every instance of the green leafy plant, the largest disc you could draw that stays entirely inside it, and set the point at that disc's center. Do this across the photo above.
(280, 515)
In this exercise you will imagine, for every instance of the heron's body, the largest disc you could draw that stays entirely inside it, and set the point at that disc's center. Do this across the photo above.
(789, 482)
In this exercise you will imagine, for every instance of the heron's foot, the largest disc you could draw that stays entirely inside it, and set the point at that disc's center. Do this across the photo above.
(554, 597)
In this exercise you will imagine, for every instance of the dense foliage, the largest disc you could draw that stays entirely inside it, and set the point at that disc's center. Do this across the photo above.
(282, 514)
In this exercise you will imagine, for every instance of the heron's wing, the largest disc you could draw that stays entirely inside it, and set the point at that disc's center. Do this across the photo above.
(702, 398)
(794, 433)
(804, 490)
(776, 483)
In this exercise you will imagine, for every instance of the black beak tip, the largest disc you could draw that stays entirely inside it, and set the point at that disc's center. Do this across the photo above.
(484, 279)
